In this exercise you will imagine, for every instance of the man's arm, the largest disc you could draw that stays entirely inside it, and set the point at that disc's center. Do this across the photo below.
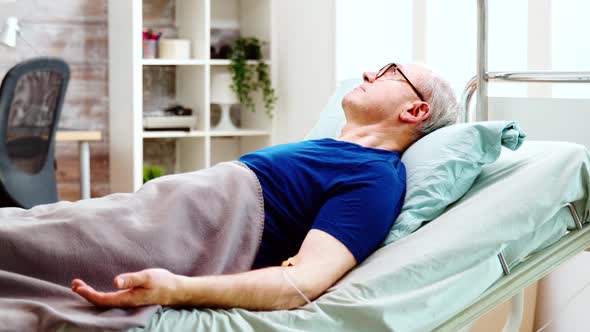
(322, 260)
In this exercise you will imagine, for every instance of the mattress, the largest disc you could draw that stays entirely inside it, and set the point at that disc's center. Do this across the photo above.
(418, 282)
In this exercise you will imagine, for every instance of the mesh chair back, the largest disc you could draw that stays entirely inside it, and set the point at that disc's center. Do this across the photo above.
(31, 97)
(31, 116)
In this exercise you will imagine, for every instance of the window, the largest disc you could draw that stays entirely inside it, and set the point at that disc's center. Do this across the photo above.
(370, 34)
(452, 41)
(570, 47)
(374, 32)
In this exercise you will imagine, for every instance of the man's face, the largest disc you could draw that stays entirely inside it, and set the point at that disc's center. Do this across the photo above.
(377, 99)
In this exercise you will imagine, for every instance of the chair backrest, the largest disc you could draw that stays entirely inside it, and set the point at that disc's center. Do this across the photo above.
(31, 98)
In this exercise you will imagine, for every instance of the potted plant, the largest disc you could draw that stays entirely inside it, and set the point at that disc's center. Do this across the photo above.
(248, 79)
(151, 172)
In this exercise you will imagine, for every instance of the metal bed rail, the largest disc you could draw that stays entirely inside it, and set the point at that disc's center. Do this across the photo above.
(522, 275)
(517, 303)
(483, 76)
(515, 76)
(540, 264)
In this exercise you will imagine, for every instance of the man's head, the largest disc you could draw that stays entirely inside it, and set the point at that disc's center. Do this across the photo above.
(405, 100)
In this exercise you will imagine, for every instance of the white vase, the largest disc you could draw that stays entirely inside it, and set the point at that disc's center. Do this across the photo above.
(225, 120)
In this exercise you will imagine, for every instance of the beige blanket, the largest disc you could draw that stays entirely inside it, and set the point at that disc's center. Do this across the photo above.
(199, 223)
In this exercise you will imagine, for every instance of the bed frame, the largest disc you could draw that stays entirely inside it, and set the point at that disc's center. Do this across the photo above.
(538, 265)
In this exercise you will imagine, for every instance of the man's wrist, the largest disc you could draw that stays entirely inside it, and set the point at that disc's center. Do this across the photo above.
(181, 294)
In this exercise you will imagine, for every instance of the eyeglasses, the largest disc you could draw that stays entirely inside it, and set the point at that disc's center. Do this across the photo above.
(388, 66)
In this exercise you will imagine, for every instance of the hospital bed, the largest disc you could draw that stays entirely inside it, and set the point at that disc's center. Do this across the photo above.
(538, 265)
(454, 270)
(447, 273)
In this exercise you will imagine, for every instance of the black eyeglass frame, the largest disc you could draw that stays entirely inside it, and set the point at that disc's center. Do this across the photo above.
(388, 66)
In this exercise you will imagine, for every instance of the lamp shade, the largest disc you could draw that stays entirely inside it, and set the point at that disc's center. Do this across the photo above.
(9, 30)
(221, 92)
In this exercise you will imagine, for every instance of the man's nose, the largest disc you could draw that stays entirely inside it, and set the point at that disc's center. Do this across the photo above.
(369, 76)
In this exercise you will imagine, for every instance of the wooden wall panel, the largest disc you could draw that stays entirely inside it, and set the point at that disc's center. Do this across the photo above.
(158, 13)
(77, 43)
(75, 30)
(159, 84)
(86, 104)
(57, 11)
(160, 152)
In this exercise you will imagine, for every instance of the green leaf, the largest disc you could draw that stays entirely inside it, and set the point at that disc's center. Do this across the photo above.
(151, 172)
(248, 79)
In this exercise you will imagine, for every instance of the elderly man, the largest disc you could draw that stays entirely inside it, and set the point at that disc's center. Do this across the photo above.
(328, 202)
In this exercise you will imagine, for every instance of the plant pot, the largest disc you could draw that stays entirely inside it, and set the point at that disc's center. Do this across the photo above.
(253, 52)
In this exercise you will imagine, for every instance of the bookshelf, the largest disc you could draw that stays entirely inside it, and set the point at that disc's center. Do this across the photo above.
(132, 86)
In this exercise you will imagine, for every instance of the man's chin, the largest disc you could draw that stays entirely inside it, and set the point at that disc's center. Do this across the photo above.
(345, 103)
(349, 98)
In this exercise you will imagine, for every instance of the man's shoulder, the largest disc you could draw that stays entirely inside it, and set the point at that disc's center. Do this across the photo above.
(393, 169)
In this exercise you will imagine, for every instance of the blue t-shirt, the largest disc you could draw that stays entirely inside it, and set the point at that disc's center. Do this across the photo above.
(349, 191)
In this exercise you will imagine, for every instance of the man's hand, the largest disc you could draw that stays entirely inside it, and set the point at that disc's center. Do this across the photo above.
(152, 286)
(321, 261)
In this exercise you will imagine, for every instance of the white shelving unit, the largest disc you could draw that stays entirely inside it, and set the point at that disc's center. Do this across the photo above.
(169, 62)
(201, 146)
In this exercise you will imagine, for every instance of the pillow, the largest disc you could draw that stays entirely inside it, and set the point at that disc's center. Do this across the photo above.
(441, 167)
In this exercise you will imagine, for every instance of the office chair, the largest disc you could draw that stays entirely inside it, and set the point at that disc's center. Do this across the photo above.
(31, 98)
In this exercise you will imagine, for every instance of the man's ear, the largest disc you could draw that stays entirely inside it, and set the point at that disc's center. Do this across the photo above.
(415, 113)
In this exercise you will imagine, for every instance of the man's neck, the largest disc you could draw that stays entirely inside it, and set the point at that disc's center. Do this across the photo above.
(375, 136)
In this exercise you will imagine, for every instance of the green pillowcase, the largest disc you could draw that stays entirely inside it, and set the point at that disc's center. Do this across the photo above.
(442, 166)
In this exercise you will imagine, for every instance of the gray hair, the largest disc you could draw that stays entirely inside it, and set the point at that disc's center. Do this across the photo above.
(444, 106)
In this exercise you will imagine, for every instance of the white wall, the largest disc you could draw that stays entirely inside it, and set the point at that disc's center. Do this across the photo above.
(306, 64)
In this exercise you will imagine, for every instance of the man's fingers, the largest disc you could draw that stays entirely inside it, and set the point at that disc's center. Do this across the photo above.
(77, 283)
(130, 280)
(135, 290)
(124, 298)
